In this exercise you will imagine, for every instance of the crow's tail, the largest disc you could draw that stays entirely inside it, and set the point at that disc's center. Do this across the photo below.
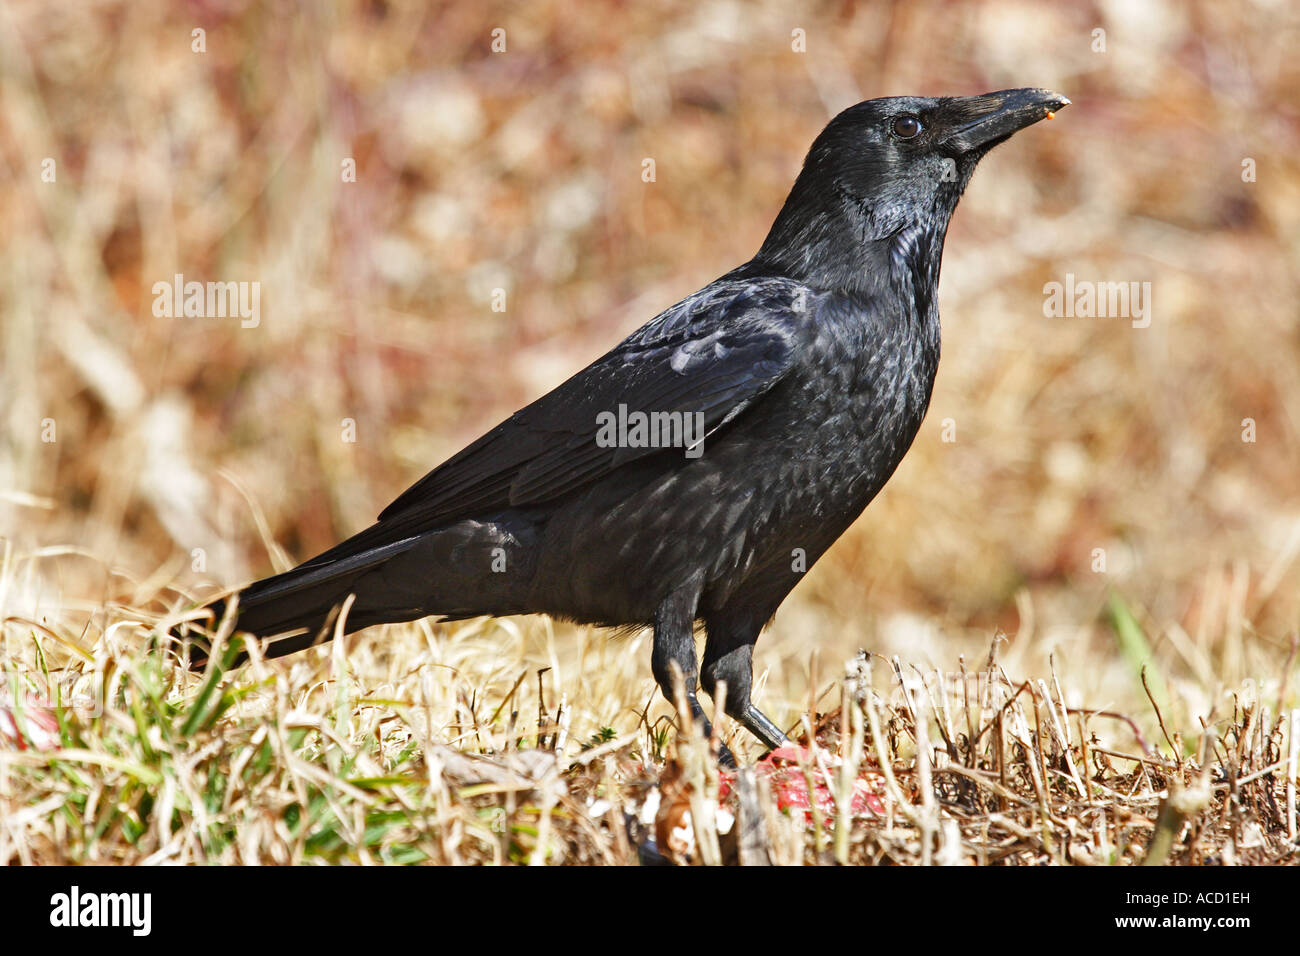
(297, 608)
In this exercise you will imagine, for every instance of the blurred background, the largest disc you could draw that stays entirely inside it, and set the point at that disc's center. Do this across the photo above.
(1064, 460)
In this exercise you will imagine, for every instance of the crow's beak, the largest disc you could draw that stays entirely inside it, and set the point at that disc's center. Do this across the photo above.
(981, 122)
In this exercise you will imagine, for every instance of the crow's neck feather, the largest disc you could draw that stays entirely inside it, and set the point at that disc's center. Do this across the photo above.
(834, 241)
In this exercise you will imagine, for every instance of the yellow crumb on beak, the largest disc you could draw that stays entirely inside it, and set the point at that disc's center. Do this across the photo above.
(1051, 115)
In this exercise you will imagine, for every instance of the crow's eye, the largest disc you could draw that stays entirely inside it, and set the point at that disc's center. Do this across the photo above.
(907, 127)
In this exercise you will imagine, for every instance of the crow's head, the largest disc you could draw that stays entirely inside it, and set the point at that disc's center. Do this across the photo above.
(912, 152)
(896, 164)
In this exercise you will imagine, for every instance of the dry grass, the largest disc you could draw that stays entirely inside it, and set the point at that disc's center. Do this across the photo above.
(1099, 508)
(478, 744)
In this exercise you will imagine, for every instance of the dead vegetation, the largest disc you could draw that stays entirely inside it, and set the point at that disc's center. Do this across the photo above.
(393, 751)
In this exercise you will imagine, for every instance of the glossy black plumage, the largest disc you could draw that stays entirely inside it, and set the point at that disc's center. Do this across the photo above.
(810, 367)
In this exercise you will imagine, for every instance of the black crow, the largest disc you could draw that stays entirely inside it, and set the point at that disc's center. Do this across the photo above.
(694, 473)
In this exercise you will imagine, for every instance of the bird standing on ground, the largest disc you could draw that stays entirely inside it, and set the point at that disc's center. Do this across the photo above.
(696, 471)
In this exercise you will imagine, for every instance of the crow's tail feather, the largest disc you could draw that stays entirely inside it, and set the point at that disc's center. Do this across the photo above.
(307, 599)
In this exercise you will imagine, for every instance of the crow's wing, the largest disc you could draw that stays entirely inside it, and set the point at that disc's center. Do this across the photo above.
(714, 353)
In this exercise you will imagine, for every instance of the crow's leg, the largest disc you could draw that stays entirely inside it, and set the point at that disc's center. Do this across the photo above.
(728, 656)
(675, 644)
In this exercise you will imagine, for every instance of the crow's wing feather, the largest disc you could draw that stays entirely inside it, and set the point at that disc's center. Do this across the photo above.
(713, 353)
